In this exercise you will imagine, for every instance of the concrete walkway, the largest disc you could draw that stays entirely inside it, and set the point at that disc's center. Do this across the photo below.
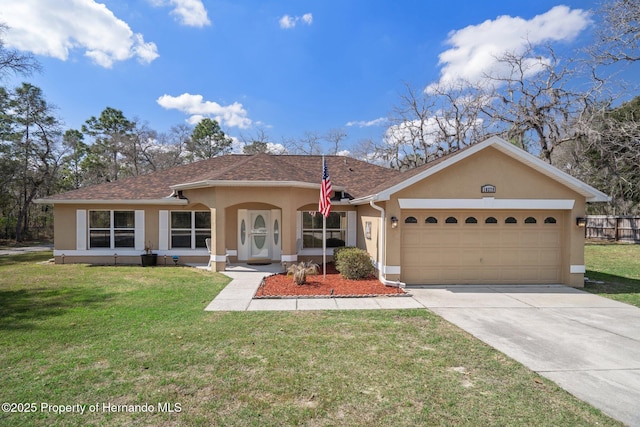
(238, 296)
(588, 345)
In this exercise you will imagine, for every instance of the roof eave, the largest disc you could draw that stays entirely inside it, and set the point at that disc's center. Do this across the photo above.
(164, 201)
(247, 183)
(366, 199)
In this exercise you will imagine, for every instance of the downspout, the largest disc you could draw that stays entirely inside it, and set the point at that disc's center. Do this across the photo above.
(382, 248)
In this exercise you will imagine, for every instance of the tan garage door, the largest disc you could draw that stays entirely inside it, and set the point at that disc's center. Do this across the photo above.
(481, 247)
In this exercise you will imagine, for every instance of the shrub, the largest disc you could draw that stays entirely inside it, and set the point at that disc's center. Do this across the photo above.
(336, 252)
(354, 263)
(300, 271)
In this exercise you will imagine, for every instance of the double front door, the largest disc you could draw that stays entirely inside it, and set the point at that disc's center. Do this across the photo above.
(259, 234)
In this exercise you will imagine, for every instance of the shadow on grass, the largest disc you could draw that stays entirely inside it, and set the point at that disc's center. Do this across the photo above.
(612, 284)
(20, 309)
(33, 257)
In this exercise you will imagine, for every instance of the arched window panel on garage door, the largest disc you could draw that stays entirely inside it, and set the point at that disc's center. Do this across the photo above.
(410, 220)
(550, 220)
(491, 220)
(510, 220)
(451, 220)
(431, 220)
(530, 220)
(471, 220)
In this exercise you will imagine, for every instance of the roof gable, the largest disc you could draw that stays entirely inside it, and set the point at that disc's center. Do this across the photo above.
(418, 174)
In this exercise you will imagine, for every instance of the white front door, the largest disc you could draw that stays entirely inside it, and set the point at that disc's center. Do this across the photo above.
(260, 234)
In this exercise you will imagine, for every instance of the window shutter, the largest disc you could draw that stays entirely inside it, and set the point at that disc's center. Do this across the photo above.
(139, 231)
(352, 232)
(163, 230)
(81, 230)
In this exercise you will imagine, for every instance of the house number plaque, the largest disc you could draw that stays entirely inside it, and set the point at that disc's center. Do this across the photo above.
(488, 188)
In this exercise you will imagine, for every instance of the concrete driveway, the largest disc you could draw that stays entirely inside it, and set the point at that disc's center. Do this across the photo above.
(587, 344)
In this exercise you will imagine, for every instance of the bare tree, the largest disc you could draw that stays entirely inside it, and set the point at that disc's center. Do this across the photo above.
(14, 62)
(141, 147)
(431, 123)
(172, 147)
(255, 143)
(606, 156)
(335, 137)
(309, 144)
(532, 100)
(370, 151)
(617, 37)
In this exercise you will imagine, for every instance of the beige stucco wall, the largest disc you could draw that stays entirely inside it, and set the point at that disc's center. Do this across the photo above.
(223, 202)
(368, 214)
(513, 180)
(65, 232)
(462, 180)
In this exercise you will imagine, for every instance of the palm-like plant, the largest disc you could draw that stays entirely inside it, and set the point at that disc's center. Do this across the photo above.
(300, 271)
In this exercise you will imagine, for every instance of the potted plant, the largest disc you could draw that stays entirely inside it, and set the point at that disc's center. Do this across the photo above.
(148, 258)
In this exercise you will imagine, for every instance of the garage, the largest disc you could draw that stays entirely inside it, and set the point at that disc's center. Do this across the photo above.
(481, 246)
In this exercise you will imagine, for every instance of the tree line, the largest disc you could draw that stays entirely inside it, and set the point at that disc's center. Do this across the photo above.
(559, 108)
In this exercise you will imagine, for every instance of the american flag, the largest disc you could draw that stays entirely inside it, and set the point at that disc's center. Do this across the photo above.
(324, 206)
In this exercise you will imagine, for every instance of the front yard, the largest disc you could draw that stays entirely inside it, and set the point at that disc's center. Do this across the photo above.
(614, 271)
(111, 338)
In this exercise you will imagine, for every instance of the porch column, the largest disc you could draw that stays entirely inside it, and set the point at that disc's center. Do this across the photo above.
(289, 235)
(218, 240)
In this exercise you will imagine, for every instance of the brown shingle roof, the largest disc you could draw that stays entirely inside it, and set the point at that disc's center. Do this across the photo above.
(357, 177)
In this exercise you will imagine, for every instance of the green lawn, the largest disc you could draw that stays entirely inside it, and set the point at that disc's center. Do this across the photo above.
(73, 334)
(618, 266)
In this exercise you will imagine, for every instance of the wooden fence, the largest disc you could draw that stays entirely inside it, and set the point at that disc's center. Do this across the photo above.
(614, 228)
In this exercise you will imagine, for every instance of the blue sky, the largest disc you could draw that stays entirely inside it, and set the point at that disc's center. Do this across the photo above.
(286, 67)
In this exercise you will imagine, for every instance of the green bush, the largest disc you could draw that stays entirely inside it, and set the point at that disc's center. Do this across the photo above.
(354, 263)
(336, 252)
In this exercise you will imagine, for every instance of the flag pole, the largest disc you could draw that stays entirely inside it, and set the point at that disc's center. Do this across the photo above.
(324, 237)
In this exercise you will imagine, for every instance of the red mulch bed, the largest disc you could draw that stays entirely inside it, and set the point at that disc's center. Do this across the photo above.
(281, 285)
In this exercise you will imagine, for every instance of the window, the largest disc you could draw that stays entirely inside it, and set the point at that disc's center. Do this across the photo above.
(312, 230)
(530, 220)
(491, 220)
(451, 220)
(510, 220)
(471, 220)
(112, 229)
(431, 220)
(190, 229)
(549, 220)
(410, 220)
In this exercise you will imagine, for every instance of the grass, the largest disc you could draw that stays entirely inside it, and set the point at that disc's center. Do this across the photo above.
(74, 334)
(617, 266)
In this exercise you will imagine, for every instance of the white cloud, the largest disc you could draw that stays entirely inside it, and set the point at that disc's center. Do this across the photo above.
(408, 132)
(365, 124)
(233, 115)
(429, 132)
(287, 21)
(191, 13)
(276, 148)
(474, 48)
(56, 28)
(307, 18)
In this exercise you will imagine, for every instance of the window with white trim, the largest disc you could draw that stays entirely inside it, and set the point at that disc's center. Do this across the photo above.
(312, 230)
(112, 229)
(190, 229)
